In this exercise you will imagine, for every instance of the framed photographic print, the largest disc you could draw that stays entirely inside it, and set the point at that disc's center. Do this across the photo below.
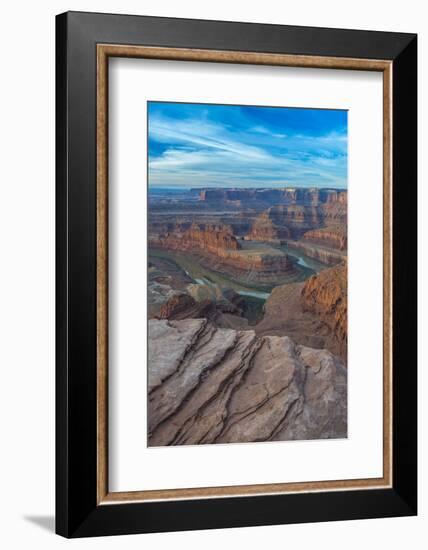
(236, 274)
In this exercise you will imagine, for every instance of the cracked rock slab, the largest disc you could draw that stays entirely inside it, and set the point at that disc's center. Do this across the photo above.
(213, 385)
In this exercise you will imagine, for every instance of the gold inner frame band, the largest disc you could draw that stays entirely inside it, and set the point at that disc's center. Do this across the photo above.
(104, 51)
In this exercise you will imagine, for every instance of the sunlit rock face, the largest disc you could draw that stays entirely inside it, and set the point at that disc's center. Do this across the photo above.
(220, 249)
(325, 295)
(209, 238)
(331, 236)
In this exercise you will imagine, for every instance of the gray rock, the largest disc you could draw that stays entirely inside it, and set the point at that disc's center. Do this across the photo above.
(211, 385)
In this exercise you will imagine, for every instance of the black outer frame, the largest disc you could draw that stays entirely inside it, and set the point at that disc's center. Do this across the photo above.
(77, 513)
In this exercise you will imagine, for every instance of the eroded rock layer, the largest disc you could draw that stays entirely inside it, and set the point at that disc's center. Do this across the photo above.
(213, 239)
(264, 228)
(217, 248)
(332, 236)
(212, 385)
(313, 313)
(320, 252)
(287, 195)
(325, 295)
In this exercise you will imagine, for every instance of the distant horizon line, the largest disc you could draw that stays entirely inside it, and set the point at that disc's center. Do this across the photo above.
(288, 187)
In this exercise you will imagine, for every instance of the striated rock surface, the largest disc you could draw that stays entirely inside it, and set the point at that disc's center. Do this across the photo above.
(284, 315)
(293, 310)
(325, 295)
(286, 195)
(209, 301)
(216, 248)
(213, 239)
(267, 263)
(211, 385)
(183, 306)
(331, 236)
(336, 211)
(319, 252)
(264, 228)
(297, 218)
(165, 280)
(289, 210)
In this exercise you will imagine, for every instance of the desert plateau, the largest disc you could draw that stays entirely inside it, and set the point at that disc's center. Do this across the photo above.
(247, 301)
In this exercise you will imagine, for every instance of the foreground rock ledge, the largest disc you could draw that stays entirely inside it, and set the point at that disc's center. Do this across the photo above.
(213, 385)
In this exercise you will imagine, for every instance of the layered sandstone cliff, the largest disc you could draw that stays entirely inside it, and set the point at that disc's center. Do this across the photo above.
(286, 195)
(283, 221)
(297, 218)
(217, 248)
(331, 236)
(209, 238)
(325, 295)
(313, 313)
(265, 229)
(320, 252)
(183, 306)
(336, 211)
(199, 300)
(211, 385)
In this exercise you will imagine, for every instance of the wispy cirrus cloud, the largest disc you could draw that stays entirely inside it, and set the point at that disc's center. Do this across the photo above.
(193, 145)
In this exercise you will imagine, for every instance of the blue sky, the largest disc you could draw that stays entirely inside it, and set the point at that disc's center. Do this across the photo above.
(201, 145)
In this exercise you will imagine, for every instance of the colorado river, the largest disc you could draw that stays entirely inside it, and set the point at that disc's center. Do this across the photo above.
(304, 261)
(254, 294)
(204, 276)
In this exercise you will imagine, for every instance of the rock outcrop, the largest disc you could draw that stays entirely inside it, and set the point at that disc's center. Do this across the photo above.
(319, 252)
(286, 195)
(211, 385)
(216, 248)
(165, 281)
(208, 301)
(182, 306)
(264, 228)
(296, 218)
(331, 236)
(208, 238)
(284, 221)
(292, 210)
(284, 315)
(325, 295)
(313, 313)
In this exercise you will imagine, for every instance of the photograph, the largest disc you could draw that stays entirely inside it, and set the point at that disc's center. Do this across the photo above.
(246, 273)
(214, 256)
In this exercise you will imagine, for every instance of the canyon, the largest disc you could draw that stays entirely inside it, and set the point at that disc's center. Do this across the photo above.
(217, 246)
(335, 237)
(247, 307)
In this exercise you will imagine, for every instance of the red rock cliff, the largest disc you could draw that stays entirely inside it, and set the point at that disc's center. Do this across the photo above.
(265, 229)
(326, 295)
(218, 246)
(208, 238)
(334, 237)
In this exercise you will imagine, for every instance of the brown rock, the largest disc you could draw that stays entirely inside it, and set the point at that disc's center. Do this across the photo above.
(320, 252)
(325, 295)
(331, 236)
(284, 315)
(221, 306)
(313, 313)
(216, 248)
(265, 229)
(183, 306)
(213, 239)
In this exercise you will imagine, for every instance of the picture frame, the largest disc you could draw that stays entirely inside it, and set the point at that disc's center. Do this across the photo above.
(84, 44)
